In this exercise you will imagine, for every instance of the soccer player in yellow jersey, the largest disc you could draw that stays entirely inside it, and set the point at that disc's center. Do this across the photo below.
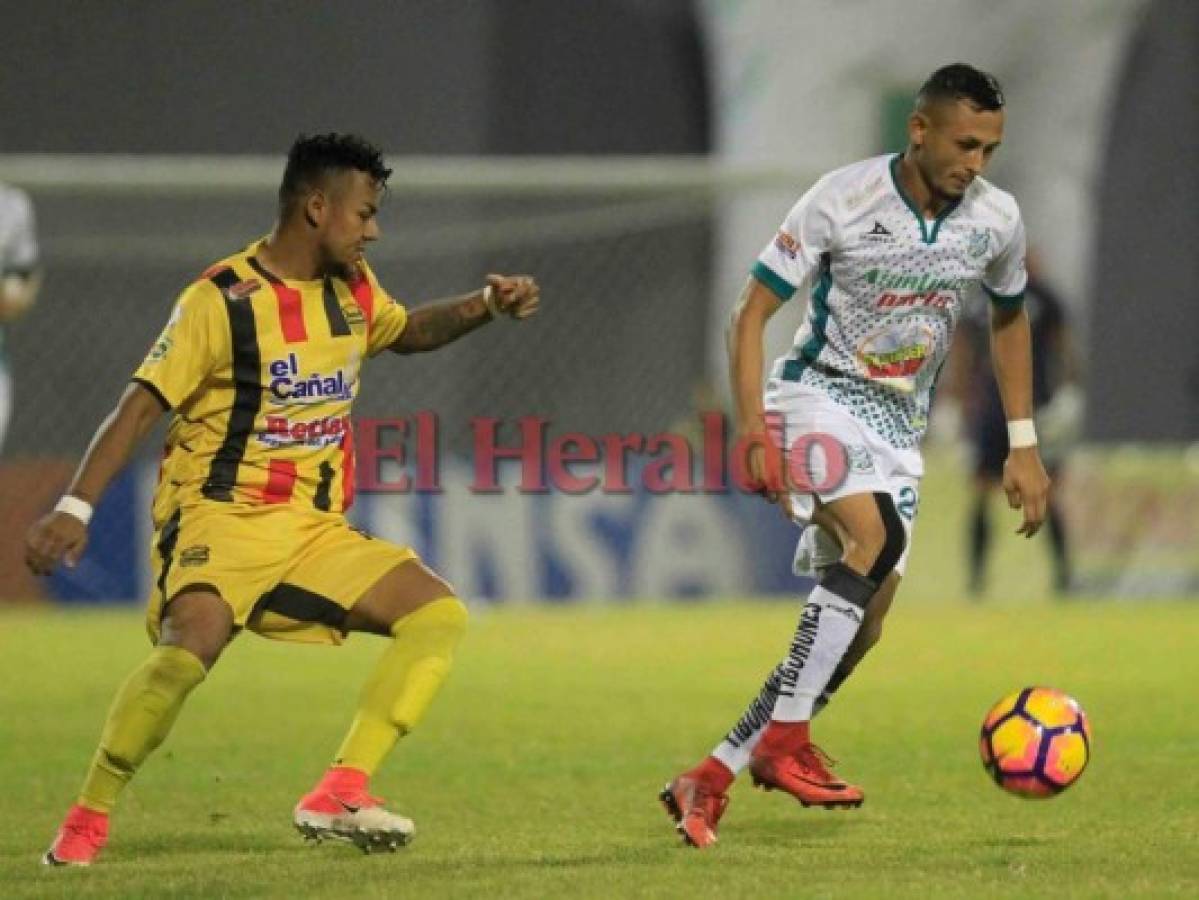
(259, 367)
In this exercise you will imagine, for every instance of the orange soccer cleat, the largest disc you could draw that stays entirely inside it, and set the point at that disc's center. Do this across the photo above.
(696, 808)
(83, 834)
(806, 776)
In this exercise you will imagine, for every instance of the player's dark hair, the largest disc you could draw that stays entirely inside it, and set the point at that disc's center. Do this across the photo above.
(960, 81)
(313, 157)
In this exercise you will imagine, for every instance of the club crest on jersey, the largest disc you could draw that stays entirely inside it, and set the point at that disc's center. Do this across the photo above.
(859, 458)
(287, 385)
(978, 242)
(161, 347)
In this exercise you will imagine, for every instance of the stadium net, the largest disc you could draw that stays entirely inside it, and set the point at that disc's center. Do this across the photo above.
(624, 250)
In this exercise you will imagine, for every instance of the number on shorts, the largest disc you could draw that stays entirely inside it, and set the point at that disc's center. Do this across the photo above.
(908, 502)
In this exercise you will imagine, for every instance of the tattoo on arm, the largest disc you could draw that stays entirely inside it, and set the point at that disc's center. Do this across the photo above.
(441, 322)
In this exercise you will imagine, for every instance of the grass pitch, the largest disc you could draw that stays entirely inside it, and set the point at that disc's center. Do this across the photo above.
(536, 772)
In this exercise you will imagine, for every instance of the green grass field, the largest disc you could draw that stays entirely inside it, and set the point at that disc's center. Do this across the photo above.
(536, 772)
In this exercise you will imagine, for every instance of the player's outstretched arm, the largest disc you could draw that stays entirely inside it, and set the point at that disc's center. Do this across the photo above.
(1024, 478)
(61, 535)
(437, 324)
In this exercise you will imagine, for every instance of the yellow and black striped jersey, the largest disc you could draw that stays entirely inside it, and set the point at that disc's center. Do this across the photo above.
(260, 373)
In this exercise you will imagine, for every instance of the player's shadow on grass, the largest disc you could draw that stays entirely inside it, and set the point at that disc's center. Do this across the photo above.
(1011, 842)
(789, 830)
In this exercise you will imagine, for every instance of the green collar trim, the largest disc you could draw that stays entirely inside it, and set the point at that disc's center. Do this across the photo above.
(929, 237)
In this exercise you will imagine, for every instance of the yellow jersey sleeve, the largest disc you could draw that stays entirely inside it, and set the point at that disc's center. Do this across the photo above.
(388, 316)
(390, 319)
(194, 342)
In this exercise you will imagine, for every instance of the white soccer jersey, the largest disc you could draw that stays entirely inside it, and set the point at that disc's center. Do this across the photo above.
(887, 288)
(18, 240)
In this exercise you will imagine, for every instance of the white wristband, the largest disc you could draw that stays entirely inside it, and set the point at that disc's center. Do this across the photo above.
(1021, 433)
(489, 300)
(73, 506)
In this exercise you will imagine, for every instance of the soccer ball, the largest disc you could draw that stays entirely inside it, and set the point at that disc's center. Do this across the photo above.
(1035, 742)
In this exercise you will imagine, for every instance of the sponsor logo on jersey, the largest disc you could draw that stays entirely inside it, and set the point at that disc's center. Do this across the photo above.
(896, 354)
(786, 244)
(288, 386)
(918, 283)
(879, 233)
(933, 299)
(282, 431)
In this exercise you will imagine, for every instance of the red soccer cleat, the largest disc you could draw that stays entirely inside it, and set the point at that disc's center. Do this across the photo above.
(695, 807)
(340, 808)
(83, 834)
(806, 776)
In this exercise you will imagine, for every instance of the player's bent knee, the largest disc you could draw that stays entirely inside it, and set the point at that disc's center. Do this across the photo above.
(447, 613)
(197, 620)
(895, 538)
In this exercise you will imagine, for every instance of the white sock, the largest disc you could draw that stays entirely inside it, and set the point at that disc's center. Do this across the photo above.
(827, 626)
(734, 751)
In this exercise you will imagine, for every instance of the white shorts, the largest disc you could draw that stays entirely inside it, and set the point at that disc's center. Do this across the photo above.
(832, 454)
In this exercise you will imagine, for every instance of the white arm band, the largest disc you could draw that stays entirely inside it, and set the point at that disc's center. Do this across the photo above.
(73, 506)
(489, 300)
(1021, 433)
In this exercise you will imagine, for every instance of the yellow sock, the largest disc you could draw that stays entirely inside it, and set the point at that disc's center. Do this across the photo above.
(140, 717)
(404, 682)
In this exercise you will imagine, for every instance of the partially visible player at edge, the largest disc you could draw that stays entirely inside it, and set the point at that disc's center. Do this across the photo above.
(259, 365)
(20, 278)
(892, 246)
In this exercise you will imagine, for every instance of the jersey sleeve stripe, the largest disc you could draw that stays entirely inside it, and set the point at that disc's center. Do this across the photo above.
(777, 285)
(247, 392)
(1005, 301)
(153, 389)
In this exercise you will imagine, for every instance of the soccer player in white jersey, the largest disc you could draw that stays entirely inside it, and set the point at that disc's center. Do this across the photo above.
(891, 248)
(18, 278)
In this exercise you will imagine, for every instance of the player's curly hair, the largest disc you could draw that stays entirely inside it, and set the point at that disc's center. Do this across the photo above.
(960, 81)
(313, 156)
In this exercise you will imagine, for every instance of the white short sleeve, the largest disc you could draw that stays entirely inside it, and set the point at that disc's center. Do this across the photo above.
(1005, 276)
(19, 253)
(804, 237)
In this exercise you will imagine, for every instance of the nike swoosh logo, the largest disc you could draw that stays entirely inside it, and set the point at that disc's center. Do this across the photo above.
(347, 807)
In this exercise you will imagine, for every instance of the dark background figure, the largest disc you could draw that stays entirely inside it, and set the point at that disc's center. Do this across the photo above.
(1058, 402)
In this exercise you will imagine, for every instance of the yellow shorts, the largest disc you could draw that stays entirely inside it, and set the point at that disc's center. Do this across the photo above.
(286, 573)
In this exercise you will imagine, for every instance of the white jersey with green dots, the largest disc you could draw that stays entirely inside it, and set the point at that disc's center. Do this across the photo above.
(887, 288)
